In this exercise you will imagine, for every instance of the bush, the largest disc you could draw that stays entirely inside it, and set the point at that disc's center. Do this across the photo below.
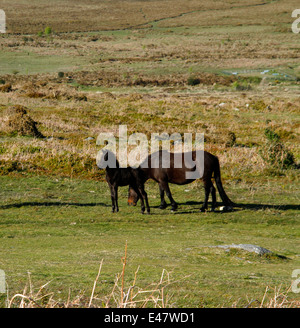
(271, 135)
(259, 106)
(48, 30)
(21, 123)
(60, 74)
(275, 153)
(6, 87)
(231, 139)
(241, 86)
(193, 80)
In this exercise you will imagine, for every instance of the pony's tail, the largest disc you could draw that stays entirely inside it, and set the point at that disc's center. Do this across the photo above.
(217, 176)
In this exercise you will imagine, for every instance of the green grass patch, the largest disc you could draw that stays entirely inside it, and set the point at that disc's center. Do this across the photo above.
(28, 62)
(60, 229)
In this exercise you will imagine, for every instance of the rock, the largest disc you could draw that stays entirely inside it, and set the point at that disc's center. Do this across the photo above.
(246, 247)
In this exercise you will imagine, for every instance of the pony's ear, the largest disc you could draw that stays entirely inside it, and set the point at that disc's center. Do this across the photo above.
(106, 156)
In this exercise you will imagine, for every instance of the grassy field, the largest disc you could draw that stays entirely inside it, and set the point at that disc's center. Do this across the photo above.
(60, 230)
(227, 69)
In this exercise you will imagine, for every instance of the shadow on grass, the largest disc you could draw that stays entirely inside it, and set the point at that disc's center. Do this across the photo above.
(237, 207)
(180, 210)
(256, 207)
(18, 205)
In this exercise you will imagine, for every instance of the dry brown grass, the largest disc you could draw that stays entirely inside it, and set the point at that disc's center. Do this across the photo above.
(6, 87)
(18, 121)
(274, 297)
(69, 122)
(132, 296)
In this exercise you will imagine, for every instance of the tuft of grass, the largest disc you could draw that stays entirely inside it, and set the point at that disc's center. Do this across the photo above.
(21, 123)
(48, 31)
(275, 153)
(192, 80)
(241, 86)
(271, 135)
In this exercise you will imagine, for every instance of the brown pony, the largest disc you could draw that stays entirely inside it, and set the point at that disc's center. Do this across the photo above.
(163, 176)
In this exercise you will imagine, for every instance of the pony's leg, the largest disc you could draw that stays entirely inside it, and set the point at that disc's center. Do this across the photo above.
(214, 198)
(116, 198)
(112, 194)
(207, 187)
(163, 203)
(165, 187)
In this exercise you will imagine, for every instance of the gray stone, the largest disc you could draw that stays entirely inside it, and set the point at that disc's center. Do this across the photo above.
(246, 247)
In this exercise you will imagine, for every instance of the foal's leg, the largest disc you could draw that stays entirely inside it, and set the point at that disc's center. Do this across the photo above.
(207, 187)
(165, 187)
(144, 196)
(163, 203)
(136, 189)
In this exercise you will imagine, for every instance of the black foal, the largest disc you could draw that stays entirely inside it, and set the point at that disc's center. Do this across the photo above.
(134, 177)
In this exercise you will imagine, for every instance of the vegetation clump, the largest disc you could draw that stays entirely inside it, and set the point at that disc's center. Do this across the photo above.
(6, 87)
(231, 139)
(193, 80)
(20, 123)
(275, 153)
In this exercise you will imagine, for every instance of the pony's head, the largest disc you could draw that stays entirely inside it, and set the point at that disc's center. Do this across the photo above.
(107, 159)
(132, 197)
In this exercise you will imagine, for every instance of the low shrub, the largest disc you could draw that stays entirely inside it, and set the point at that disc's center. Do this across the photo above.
(275, 153)
(21, 123)
(241, 86)
(193, 80)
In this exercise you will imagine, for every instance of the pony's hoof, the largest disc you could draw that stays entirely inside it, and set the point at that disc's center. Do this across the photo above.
(202, 209)
(226, 208)
(162, 206)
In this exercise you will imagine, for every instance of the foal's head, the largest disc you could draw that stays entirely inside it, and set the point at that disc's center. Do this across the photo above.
(132, 197)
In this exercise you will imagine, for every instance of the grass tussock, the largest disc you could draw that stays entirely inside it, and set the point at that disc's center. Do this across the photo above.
(20, 123)
(6, 87)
